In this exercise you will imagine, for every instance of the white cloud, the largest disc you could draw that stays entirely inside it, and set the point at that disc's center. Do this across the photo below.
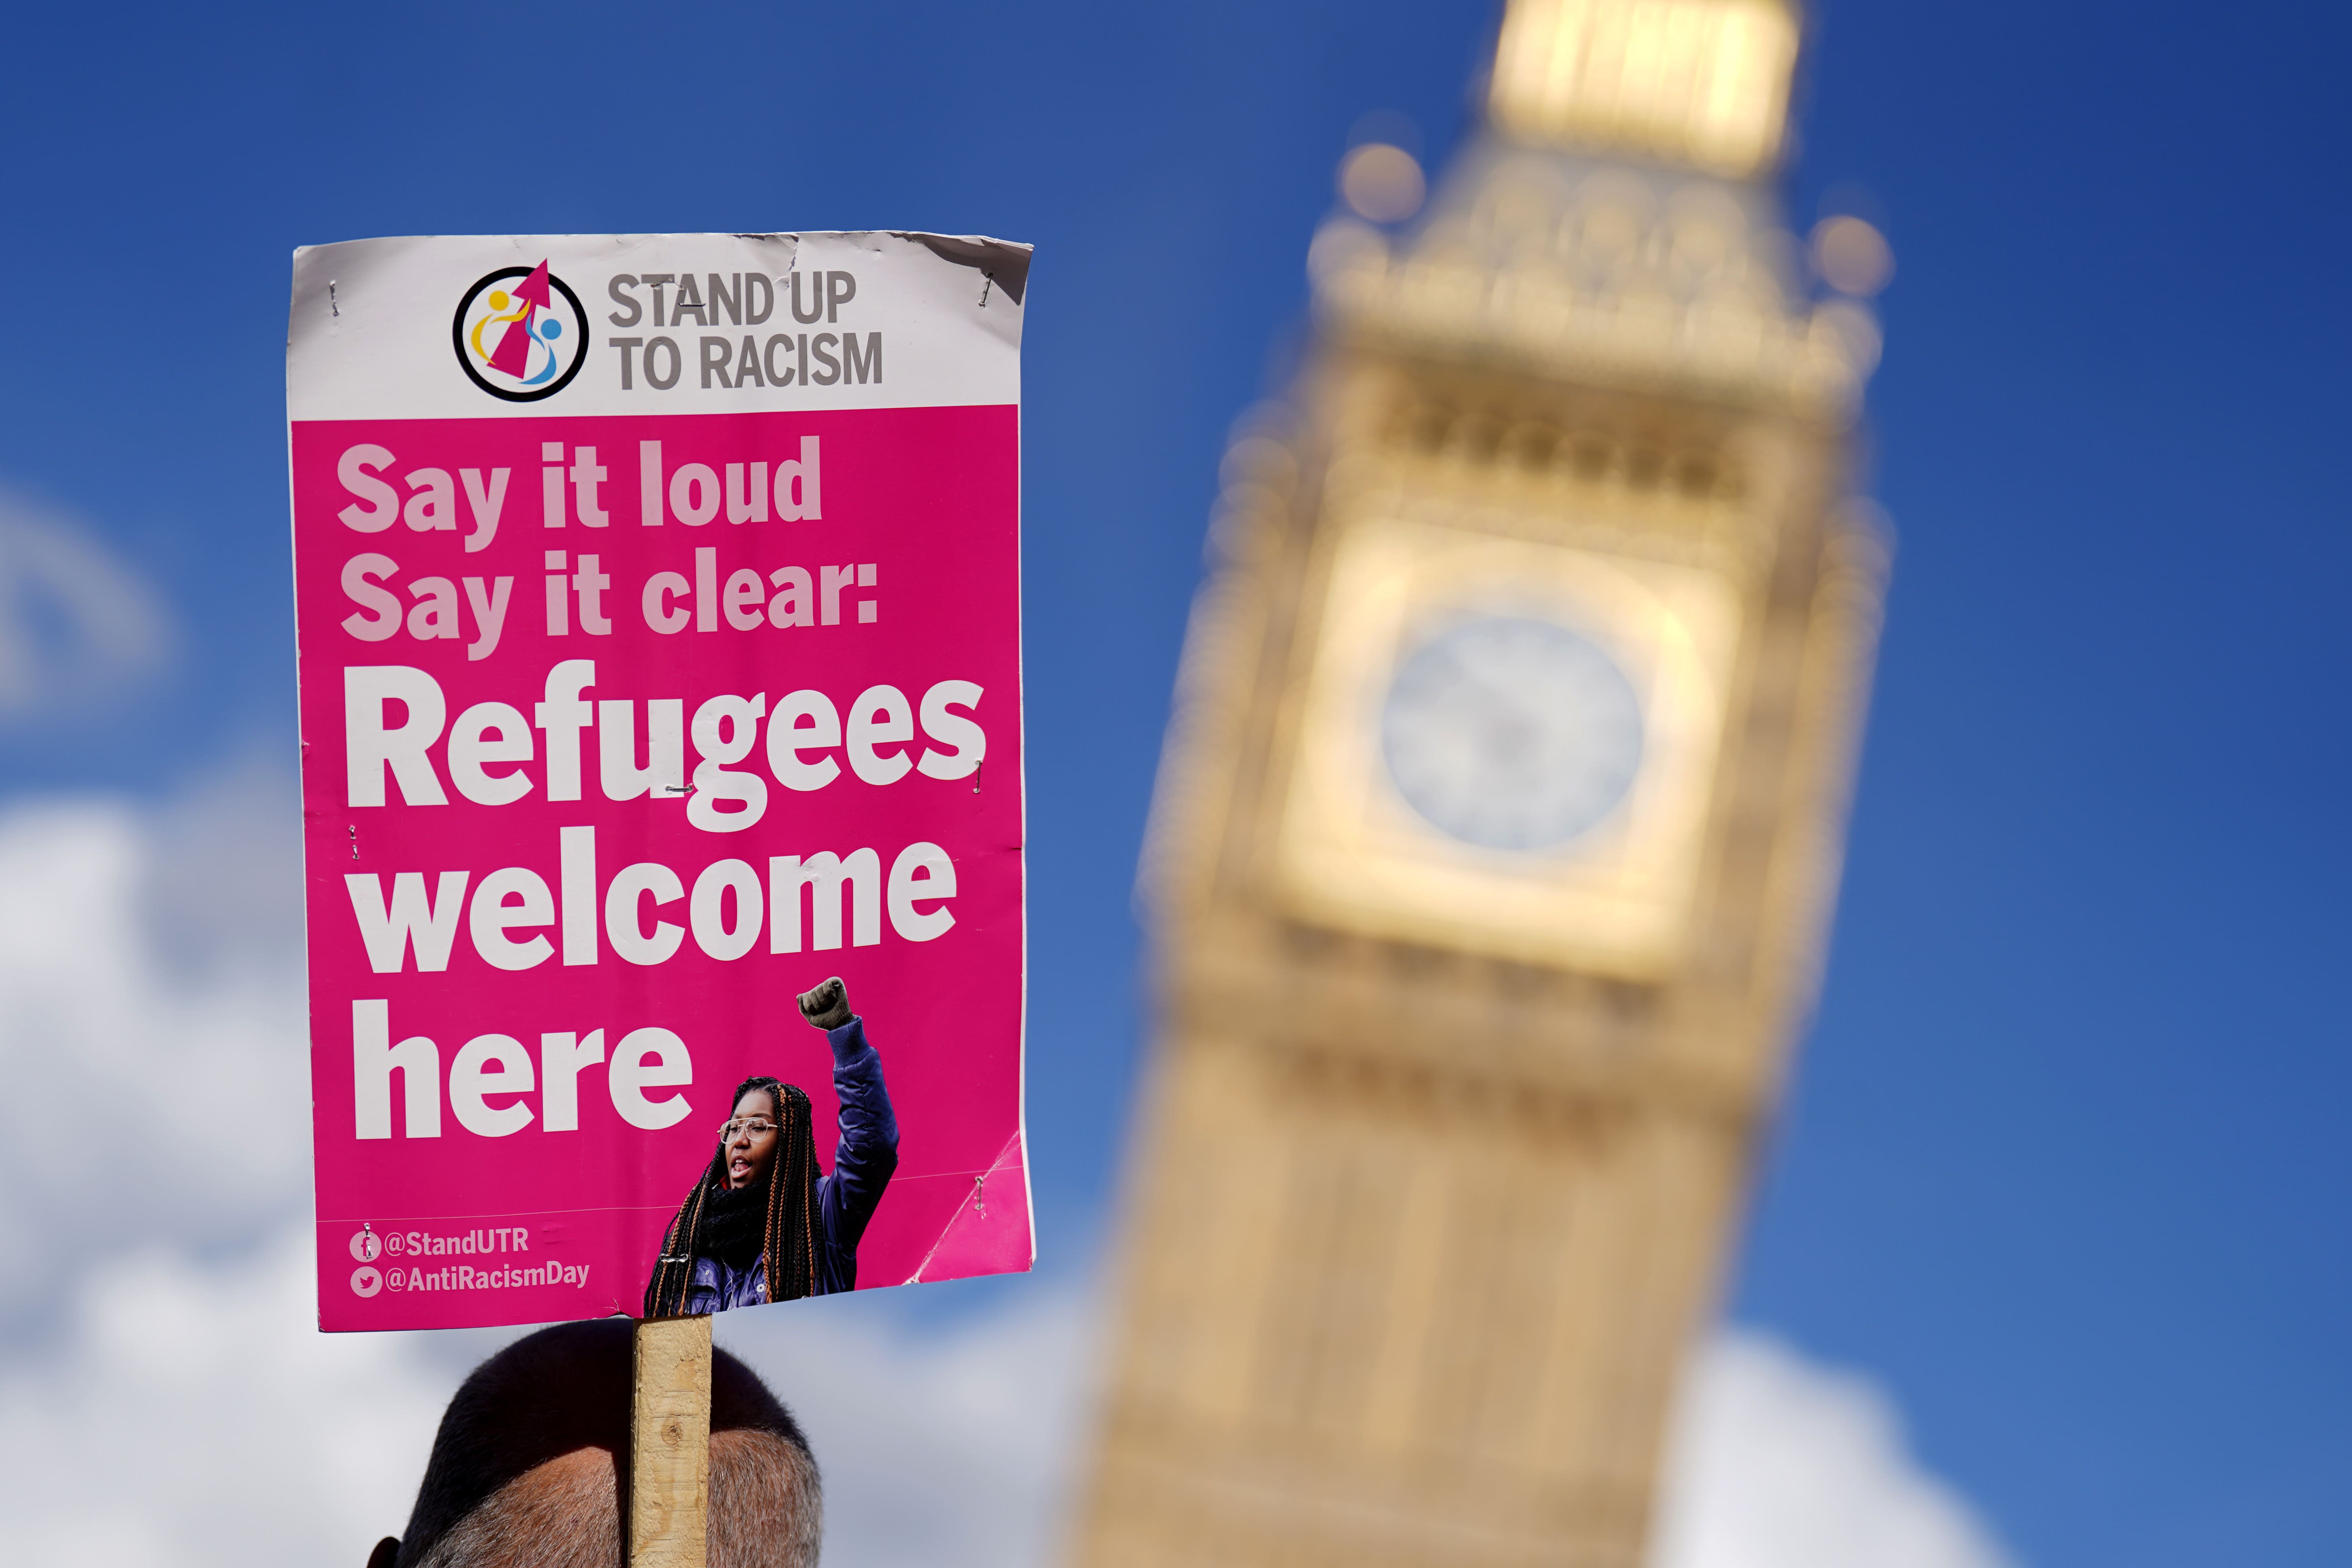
(221, 889)
(947, 1443)
(143, 1103)
(1781, 1462)
(165, 1398)
(77, 621)
(166, 1401)
(191, 1416)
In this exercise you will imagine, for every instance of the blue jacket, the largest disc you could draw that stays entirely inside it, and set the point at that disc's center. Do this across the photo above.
(846, 1198)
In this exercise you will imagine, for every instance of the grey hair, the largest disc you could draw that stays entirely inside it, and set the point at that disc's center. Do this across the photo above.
(566, 1512)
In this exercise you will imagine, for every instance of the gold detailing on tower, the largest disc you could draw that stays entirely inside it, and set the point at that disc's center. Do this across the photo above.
(1665, 281)
(1704, 82)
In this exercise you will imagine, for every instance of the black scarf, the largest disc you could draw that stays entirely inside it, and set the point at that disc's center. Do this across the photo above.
(734, 1225)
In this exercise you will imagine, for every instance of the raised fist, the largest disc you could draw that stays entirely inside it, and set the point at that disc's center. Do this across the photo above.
(827, 1006)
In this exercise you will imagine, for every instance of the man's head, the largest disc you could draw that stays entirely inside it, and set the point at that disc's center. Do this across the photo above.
(530, 1467)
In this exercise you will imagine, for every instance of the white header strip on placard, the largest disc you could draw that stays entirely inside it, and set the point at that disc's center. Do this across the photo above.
(670, 323)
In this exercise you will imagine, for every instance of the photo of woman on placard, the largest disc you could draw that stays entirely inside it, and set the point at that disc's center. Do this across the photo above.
(761, 1223)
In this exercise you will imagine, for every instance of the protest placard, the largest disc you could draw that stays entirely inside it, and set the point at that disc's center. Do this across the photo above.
(658, 600)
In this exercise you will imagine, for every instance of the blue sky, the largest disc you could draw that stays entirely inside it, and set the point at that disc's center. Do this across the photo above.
(2063, 1165)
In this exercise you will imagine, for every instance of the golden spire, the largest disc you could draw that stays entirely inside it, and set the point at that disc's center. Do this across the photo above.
(1703, 83)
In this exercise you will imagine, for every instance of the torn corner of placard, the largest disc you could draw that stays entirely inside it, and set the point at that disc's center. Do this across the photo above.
(989, 1232)
(1004, 263)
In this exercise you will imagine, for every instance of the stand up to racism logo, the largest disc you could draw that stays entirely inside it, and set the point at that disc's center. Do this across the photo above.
(521, 341)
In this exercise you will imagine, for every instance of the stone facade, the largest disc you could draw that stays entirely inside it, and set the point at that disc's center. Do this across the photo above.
(1454, 1093)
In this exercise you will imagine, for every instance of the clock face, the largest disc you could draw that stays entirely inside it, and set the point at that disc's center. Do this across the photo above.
(1507, 745)
(1511, 733)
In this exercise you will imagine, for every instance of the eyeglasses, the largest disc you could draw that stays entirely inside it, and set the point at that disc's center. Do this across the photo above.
(757, 1126)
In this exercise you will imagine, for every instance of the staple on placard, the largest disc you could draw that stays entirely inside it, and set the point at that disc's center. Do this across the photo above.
(974, 1207)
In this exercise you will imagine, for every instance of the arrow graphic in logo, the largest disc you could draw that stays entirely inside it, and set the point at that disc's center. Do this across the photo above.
(513, 353)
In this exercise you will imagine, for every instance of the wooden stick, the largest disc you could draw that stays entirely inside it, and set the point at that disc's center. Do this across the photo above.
(669, 1444)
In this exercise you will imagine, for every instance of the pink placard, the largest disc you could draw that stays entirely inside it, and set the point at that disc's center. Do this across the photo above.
(620, 729)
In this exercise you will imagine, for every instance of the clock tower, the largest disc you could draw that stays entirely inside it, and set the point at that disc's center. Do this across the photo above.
(1498, 828)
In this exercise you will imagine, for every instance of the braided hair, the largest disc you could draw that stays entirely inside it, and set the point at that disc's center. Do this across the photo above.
(788, 1237)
